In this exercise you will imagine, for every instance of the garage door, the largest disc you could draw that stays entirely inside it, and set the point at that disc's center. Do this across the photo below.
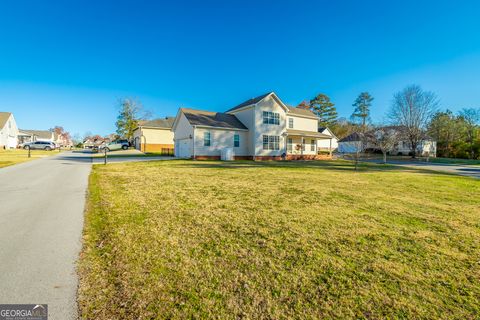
(183, 149)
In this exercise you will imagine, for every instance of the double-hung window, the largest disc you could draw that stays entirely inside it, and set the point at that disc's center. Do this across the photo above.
(290, 123)
(312, 145)
(271, 117)
(206, 139)
(236, 140)
(271, 142)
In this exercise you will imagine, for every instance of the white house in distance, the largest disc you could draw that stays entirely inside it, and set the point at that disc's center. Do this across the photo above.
(352, 143)
(262, 128)
(154, 135)
(8, 131)
(324, 144)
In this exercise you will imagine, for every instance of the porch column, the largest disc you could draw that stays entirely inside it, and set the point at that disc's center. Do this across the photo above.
(302, 144)
(330, 148)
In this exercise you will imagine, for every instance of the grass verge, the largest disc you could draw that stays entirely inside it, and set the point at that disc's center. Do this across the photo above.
(309, 240)
(11, 157)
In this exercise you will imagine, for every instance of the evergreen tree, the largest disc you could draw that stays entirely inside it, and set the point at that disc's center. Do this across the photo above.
(324, 109)
(362, 108)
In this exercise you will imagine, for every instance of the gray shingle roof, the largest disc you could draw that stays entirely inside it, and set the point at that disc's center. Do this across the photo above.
(249, 102)
(158, 123)
(301, 112)
(3, 118)
(212, 119)
(351, 137)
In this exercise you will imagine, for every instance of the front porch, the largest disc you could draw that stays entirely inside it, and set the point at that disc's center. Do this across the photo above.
(303, 145)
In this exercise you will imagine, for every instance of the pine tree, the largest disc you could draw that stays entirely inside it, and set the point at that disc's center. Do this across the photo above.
(362, 108)
(324, 109)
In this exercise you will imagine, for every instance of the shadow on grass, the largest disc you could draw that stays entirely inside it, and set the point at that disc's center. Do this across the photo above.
(339, 165)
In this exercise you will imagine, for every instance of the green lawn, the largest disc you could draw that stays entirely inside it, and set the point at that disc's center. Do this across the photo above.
(10, 157)
(272, 240)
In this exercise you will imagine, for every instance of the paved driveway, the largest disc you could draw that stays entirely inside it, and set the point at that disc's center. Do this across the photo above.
(462, 170)
(41, 220)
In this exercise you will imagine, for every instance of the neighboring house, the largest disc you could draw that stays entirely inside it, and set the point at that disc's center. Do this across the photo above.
(154, 135)
(39, 135)
(8, 131)
(324, 144)
(62, 140)
(88, 143)
(262, 128)
(95, 141)
(350, 144)
(25, 136)
(353, 142)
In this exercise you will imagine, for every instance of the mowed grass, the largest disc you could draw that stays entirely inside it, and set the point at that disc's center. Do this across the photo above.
(272, 240)
(11, 157)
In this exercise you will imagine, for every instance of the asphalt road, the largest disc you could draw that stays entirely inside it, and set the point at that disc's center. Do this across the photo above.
(41, 220)
(462, 170)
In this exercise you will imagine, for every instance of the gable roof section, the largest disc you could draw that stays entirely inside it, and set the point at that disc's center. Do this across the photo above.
(166, 123)
(301, 112)
(4, 116)
(212, 119)
(326, 130)
(250, 101)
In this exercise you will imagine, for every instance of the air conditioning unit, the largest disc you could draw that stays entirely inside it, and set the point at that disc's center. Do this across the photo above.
(227, 154)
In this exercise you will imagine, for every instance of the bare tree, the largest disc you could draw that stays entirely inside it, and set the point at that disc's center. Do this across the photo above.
(412, 108)
(384, 139)
(131, 111)
(358, 143)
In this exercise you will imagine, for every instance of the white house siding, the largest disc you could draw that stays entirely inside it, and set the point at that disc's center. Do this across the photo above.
(182, 133)
(301, 123)
(268, 104)
(324, 144)
(348, 146)
(9, 134)
(247, 117)
(219, 140)
(427, 147)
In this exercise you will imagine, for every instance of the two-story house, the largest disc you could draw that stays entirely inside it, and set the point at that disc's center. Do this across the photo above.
(262, 128)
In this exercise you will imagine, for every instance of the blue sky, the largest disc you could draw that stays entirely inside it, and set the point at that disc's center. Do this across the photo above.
(68, 62)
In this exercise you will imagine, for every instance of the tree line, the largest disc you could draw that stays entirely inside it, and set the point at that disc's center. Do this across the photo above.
(414, 110)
